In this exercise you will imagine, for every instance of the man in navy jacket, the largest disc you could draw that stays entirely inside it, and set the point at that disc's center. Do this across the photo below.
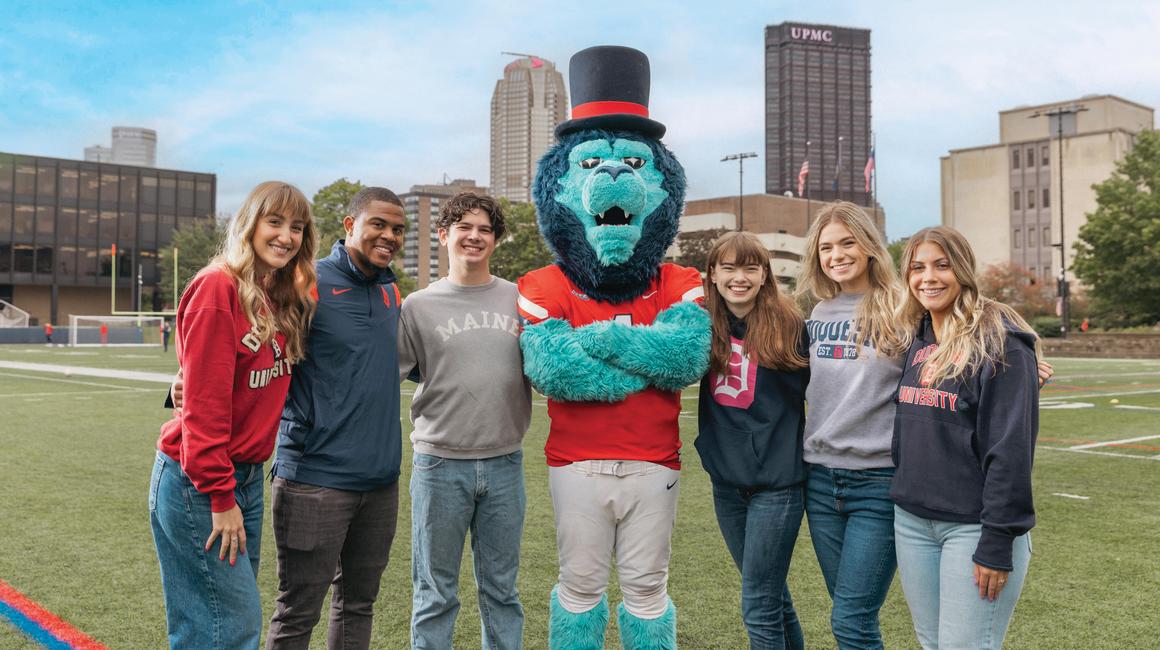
(336, 491)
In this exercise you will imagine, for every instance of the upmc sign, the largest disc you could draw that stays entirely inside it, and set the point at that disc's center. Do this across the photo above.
(808, 34)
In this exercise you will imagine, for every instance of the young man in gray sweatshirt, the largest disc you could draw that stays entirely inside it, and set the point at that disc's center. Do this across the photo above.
(459, 338)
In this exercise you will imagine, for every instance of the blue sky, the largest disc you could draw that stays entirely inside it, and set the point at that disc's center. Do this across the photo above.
(398, 93)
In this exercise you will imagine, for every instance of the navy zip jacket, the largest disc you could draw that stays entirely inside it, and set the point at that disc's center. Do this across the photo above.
(963, 450)
(751, 421)
(340, 428)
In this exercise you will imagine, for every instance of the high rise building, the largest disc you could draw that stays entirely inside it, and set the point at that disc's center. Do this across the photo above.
(423, 258)
(62, 220)
(1005, 197)
(132, 145)
(526, 106)
(817, 90)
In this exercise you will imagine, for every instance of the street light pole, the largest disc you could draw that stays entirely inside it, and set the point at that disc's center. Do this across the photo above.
(740, 158)
(1064, 287)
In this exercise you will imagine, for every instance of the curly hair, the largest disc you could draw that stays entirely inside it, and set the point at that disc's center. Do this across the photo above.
(460, 204)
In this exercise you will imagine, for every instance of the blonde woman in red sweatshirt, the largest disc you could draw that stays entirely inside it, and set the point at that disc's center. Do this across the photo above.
(241, 325)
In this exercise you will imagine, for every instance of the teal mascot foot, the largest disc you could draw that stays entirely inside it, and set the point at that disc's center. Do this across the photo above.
(648, 634)
(583, 631)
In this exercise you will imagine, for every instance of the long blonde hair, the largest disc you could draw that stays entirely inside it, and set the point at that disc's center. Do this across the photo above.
(874, 320)
(773, 327)
(280, 301)
(974, 332)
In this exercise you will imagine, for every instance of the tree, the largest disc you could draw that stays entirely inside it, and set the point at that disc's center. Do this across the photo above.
(522, 249)
(1118, 252)
(694, 247)
(896, 249)
(329, 207)
(1015, 286)
(196, 245)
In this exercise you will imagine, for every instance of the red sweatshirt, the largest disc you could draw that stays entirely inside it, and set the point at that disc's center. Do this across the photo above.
(233, 393)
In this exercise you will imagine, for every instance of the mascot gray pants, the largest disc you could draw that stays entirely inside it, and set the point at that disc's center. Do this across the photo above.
(603, 509)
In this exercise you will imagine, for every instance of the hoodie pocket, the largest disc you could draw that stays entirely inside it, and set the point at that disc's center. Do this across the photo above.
(730, 455)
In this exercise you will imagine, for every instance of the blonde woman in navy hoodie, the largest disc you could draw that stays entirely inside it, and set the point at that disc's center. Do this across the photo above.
(751, 419)
(964, 438)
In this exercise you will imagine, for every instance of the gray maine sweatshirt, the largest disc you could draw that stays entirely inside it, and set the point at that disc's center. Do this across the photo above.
(850, 420)
(473, 400)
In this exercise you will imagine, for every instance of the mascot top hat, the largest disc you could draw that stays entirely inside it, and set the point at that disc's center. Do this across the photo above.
(609, 86)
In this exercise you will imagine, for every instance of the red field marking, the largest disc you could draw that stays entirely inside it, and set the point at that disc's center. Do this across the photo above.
(48, 621)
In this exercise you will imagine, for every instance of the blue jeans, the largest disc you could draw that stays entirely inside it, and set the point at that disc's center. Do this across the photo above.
(938, 574)
(760, 528)
(851, 521)
(209, 605)
(449, 498)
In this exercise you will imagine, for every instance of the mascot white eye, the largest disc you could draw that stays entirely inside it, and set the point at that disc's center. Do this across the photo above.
(589, 163)
(634, 162)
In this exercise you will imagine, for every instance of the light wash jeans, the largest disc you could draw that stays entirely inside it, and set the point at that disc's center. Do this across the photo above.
(934, 563)
(760, 528)
(209, 605)
(450, 497)
(851, 520)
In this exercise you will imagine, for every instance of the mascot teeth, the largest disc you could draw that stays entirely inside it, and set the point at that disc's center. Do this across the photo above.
(613, 216)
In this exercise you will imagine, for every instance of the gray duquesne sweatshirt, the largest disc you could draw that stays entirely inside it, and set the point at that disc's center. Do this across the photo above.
(850, 417)
(473, 400)
(964, 448)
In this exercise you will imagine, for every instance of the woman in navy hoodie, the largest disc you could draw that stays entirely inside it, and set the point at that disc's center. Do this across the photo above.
(964, 438)
(751, 419)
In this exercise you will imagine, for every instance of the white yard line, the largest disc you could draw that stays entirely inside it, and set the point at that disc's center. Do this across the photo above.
(72, 381)
(121, 390)
(109, 373)
(1064, 378)
(1151, 391)
(1137, 408)
(1093, 445)
(1097, 453)
(1070, 496)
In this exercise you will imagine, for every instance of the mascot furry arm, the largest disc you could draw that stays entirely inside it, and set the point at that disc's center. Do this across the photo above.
(608, 204)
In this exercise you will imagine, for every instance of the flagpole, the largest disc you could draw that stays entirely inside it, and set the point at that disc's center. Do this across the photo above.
(874, 150)
(838, 170)
(809, 214)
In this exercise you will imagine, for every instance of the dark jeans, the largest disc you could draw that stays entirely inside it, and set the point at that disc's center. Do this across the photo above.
(851, 520)
(760, 528)
(326, 536)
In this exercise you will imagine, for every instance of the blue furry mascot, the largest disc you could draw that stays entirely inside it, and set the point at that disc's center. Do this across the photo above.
(611, 337)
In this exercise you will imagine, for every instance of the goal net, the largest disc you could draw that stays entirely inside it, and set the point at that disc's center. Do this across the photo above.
(114, 330)
(12, 316)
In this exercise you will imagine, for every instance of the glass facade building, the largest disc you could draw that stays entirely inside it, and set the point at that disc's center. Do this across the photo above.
(60, 220)
(817, 90)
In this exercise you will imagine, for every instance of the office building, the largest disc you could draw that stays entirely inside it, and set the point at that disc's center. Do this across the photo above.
(1005, 197)
(423, 258)
(526, 106)
(59, 221)
(817, 90)
(131, 146)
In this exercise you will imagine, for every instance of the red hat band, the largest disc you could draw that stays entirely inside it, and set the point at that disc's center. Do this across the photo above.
(595, 109)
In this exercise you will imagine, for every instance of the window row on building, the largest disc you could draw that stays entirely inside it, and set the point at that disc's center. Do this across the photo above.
(1018, 202)
(1025, 157)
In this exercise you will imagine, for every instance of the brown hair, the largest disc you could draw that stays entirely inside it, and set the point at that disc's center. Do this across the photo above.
(975, 330)
(460, 204)
(774, 327)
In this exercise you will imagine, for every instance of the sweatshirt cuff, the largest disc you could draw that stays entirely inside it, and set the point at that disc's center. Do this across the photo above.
(221, 501)
(994, 550)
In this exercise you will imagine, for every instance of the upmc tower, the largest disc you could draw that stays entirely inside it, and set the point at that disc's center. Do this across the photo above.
(817, 89)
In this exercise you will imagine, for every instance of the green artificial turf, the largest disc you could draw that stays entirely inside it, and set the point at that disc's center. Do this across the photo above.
(74, 535)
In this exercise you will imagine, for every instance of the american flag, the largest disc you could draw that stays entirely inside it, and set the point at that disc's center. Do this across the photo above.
(805, 171)
(869, 169)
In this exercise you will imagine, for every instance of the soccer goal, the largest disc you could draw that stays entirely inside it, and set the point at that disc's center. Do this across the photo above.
(12, 316)
(123, 331)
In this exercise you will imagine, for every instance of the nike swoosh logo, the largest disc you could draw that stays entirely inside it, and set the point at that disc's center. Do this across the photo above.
(649, 295)
(670, 485)
(339, 292)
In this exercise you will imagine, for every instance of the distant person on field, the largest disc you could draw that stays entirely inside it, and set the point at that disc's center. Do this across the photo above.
(48, 333)
(166, 328)
(1083, 327)
(105, 333)
(964, 441)
(459, 339)
(241, 325)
